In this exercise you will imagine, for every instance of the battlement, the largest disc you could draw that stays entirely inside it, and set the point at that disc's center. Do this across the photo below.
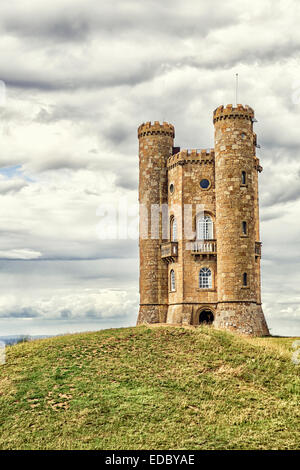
(156, 128)
(231, 112)
(200, 156)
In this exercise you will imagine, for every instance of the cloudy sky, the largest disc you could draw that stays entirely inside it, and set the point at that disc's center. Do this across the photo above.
(80, 76)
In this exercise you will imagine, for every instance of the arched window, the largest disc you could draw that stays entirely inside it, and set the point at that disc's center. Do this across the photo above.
(245, 279)
(244, 227)
(205, 278)
(173, 227)
(205, 228)
(172, 281)
(244, 179)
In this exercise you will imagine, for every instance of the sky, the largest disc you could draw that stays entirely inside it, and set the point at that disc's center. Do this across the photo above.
(78, 78)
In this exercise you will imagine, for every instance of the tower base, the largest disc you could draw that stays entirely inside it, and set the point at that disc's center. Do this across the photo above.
(152, 313)
(188, 313)
(245, 317)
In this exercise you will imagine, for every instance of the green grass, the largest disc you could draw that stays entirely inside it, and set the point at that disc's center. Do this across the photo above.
(150, 388)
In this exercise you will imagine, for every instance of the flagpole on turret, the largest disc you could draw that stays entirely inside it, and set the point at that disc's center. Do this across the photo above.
(236, 88)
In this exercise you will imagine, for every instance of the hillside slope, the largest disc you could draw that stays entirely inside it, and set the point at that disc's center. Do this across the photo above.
(150, 388)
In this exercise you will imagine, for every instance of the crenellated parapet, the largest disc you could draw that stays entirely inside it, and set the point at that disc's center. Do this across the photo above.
(156, 128)
(231, 112)
(197, 156)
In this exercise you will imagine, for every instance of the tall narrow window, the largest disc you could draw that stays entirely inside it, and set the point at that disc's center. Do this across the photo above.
(205, 278)
(245, 279)
(244, 227)
(173, 227)
(244, 179)
(172, 281)
(205, 228)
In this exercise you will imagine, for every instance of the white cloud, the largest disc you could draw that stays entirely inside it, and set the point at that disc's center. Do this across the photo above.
(20, 254)
(80, 77)
(67, 304)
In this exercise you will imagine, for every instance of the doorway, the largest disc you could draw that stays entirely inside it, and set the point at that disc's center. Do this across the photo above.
(206, 317)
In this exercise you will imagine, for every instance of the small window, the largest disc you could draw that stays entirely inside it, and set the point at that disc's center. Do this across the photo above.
(244, 227)
(171, 188)
(245, 279)
(172, 281)
(205, 278)
(244, 177)
(204, 184)
(173, 227)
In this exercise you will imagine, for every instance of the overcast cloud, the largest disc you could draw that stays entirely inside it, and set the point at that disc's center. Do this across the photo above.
(80, 77)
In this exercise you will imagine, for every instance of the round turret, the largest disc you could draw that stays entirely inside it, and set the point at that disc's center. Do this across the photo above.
(155, 146)
(236, 221)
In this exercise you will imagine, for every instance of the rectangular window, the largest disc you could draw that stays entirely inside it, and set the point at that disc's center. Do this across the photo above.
(205, 278)
(244, 227)
(172, 281)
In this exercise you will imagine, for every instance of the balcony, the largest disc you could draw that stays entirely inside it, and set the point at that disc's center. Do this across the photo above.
(258, 249)
(169, 251)
(204, 247)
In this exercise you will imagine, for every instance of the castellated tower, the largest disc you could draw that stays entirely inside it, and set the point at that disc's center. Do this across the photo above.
(237, 221)
(155, 147)
(199, 227)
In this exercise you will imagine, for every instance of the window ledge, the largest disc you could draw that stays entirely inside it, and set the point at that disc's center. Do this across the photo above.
(245, 287)
(199, 289)
(204, 240)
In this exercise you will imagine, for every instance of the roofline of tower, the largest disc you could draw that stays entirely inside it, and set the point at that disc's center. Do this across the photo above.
(154, 128)
(192, 156)
(232, 112)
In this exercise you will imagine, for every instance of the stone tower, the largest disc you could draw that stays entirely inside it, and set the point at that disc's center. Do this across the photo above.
(199, 227)
(237, 221)
(155, 147)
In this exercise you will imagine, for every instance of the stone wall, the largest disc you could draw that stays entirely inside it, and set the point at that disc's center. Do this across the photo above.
(185, 171)
(245, 317)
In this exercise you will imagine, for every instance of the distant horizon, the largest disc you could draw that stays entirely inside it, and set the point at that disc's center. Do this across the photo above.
(284, 328)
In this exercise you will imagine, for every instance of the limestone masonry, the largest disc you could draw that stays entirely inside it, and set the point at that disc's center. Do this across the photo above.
(199, 227)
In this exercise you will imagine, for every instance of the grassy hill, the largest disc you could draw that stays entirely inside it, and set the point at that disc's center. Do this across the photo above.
(150, 388)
